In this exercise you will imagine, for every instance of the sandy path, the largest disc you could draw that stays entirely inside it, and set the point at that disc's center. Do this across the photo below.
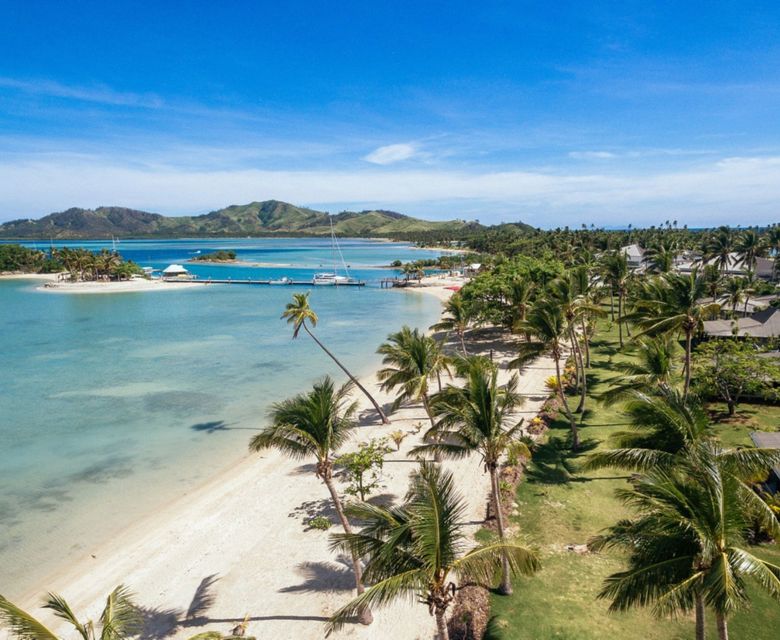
(237, 545)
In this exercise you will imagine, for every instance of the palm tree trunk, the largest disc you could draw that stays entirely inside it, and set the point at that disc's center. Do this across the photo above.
(437, 456)
(506, 581)
(581, 368)
(619, 318)
(365, 616)
(575, 436)
(612, 304)
(722, 625)
(463, 343)
(441, 624)
(587, 343)
(351, 377)
(700, 633)
(688, 347)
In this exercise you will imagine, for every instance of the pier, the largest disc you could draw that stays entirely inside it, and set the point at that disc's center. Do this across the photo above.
(275, 283)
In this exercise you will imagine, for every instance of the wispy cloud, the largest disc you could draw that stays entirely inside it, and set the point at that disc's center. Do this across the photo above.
(392, 153)
(710, 193)
(101, 94)
(592, 155)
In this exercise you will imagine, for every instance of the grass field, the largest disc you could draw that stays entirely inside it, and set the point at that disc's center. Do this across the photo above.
(560, 506)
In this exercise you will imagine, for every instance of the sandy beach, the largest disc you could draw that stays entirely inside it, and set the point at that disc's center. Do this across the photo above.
(124, 286)
(237, 546)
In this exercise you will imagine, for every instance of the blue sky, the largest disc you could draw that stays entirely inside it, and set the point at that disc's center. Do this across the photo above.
(551, 113)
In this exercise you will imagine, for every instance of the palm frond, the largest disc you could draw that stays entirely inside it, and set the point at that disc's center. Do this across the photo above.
(21, 624)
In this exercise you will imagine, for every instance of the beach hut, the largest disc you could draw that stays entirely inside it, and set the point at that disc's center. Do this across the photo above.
(175, 271)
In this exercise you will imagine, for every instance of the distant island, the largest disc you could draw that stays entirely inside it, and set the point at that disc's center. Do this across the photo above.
(257, 219)
(216, 256)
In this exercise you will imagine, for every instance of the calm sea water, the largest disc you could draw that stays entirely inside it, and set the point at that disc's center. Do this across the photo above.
(111, 405)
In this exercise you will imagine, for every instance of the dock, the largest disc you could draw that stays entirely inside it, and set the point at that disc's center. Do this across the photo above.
(275, 283)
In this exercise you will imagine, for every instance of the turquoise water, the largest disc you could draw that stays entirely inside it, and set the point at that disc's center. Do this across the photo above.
(114, 404)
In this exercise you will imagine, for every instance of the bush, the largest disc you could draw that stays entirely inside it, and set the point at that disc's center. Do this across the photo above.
(320, 523)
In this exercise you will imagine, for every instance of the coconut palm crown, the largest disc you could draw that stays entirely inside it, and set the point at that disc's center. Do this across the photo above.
(419, 549)
(120, 618)
(478, 417)
(298, 313)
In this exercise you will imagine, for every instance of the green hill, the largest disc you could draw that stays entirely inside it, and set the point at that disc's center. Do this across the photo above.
(267, 218)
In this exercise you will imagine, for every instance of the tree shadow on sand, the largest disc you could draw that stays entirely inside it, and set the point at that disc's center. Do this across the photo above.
(324, 576)
(158, 623)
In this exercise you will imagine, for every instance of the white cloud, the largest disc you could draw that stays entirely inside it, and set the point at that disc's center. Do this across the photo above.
(100, 93)
(391, 153)
(592, 155)
(738, 190)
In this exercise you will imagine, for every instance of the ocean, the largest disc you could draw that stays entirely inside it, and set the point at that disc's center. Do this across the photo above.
(113, 405)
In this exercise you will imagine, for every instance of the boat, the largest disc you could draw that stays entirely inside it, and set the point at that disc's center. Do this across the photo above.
(284, 280)
(332, 278)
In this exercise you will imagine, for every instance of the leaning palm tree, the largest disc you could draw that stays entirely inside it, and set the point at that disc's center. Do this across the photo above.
(478, 418)
(687, 546)
(298, 313)
(457, 319)
(418, 550)
(411, 360)
(546, 323)
(315, 425)
(674, 303)
(653, 369)
(120, 618)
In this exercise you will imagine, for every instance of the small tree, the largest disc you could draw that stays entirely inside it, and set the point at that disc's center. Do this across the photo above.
(731, 369)
(398, 437)
(362, 467)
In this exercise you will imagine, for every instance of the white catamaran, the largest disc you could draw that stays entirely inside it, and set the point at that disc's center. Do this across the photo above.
(332, 278)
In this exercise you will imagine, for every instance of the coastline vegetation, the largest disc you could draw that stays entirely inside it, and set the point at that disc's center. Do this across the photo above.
(77, 264)
(216, 256)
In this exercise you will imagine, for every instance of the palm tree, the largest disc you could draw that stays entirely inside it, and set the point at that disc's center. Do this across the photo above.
(458, 319)
(735, 292)
(712, 278)
(315, 425)
(652, 370)
(576, 307)
(660, 257)
(297, 313)
(547, 324)
(616, 274)
(418, 550)
(750, 246)
(687, 546)
(667, 429)
(522, 291)
(673, 303)
(478, 417)
(120, 618)
(718, 249)
(411, 360)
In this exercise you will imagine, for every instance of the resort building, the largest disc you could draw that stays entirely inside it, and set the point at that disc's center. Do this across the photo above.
(761, 325)
(635, 255)
(176, 271)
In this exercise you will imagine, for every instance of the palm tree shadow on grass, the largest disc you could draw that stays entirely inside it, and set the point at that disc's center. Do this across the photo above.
(554, 462)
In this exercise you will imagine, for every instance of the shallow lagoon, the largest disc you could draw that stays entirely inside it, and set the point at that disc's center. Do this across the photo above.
(112, 405)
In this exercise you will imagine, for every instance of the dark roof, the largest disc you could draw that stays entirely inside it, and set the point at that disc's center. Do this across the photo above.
(767, 440)
(762, 324)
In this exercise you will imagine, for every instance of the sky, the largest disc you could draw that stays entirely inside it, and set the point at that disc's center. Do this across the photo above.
(553, 113)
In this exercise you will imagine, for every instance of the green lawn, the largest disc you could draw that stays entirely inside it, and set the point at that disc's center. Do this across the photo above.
(559, 506)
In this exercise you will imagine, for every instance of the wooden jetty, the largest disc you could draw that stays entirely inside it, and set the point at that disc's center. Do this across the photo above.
(275, 283)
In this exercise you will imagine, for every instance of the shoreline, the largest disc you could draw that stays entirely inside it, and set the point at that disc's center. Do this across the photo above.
(245, 526)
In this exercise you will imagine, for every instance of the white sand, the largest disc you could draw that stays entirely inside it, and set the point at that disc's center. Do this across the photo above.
(123, 286)
(245, 529)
